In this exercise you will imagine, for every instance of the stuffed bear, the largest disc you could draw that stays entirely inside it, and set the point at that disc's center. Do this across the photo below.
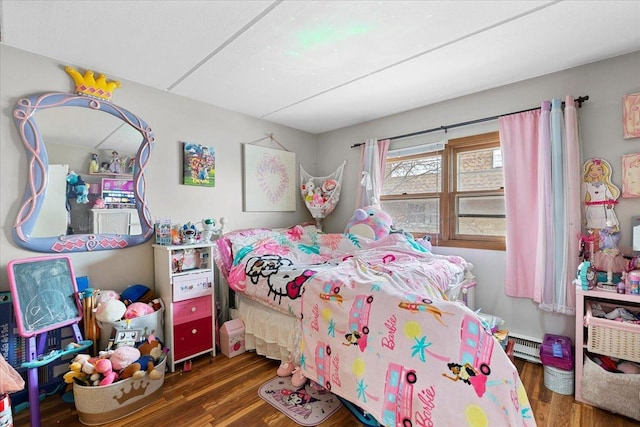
(369, 222)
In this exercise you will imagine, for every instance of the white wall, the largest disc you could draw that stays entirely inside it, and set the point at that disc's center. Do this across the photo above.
(601, 134)
(176, 119)
(173, 119)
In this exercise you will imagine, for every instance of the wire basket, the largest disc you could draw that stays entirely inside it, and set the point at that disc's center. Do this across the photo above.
(558, 380)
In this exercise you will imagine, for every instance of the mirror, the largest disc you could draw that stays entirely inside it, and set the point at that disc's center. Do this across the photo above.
(60, 131)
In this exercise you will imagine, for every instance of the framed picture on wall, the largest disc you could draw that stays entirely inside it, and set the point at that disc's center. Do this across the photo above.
(631, 115)
(199, 165)
(269, 179)
(631, 175)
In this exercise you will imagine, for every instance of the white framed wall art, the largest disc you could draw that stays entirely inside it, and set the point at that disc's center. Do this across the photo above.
(269, 179)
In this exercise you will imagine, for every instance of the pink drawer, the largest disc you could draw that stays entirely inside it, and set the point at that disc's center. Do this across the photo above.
(191, 286)
(192, 338)
(192, 309)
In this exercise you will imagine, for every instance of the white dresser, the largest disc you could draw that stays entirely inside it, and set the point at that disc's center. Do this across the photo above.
(117, 221)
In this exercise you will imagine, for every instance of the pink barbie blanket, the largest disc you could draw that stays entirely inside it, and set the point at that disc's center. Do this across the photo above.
(372, 336)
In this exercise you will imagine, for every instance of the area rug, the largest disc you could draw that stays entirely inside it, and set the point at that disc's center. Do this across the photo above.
(304, 405)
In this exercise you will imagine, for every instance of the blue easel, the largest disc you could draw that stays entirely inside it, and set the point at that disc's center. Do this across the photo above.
(45, 298)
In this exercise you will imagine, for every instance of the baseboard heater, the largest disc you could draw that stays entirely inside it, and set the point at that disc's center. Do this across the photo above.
(527, 348)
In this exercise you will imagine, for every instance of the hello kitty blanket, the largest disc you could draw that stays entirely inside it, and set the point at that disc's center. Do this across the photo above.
(273, 266)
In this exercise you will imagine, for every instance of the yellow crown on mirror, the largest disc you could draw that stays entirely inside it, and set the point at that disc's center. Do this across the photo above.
(89, 86)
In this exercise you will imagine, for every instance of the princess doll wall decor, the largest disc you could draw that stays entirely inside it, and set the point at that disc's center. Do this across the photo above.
(599, 195)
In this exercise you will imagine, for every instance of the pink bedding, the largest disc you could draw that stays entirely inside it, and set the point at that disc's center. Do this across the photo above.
(272, 267)
(404, 356)
(376, 327)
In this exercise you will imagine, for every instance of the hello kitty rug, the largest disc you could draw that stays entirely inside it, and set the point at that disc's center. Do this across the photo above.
(304, 405)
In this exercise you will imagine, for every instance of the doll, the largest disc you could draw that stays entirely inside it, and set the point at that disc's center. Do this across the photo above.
(600, 195)
(93, 165)
(114, 166)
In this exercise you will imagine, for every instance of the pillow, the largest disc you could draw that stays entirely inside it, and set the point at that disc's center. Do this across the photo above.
(222, 249)
(369, 222)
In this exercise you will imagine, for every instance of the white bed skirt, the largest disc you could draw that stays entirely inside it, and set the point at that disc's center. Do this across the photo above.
(267, 332)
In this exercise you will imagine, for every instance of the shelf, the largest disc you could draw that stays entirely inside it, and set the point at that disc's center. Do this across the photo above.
(594, 293)
(191, 271)
(178, 247)
(109, 174)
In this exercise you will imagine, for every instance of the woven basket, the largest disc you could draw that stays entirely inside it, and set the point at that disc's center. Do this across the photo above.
(611, 338)
(558, 380)
(104, 404)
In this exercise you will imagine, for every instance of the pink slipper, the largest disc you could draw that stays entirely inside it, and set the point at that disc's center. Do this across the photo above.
(297, 379)
(285, 369)
(315, 386)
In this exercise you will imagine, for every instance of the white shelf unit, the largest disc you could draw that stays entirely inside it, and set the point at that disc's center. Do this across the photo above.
(189, 300)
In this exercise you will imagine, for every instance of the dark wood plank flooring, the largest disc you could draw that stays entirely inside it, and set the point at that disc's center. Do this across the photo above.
(224, 392)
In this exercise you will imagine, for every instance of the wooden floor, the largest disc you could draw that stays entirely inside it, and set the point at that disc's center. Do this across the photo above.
(224, 392)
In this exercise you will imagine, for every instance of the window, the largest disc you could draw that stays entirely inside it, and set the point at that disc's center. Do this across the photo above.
(455, 195)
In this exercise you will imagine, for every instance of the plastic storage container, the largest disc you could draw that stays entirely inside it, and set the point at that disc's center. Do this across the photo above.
(556, 351)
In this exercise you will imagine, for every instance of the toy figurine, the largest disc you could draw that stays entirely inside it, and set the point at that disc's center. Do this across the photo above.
(114, 166)
(93, 165)
(208, 228)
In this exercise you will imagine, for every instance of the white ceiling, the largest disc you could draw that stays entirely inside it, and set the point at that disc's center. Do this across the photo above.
(322, 65)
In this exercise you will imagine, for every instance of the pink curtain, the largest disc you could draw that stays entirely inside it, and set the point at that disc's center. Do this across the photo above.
(519, 142)
(373, 159)
(542, 197)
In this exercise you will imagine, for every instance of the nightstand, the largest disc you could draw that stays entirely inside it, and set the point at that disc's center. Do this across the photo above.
(184, 277)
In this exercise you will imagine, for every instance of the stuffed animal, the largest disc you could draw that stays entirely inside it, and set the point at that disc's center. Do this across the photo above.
(105, 367)
(370, 222)
(110, 311)
(150, 352)
(151, 348)
(328, 187)
(307, 190)
(137, 293)
(82, 191)
(103, 296)
(76, 187)
(123, 357)
(82, 370)
(137, 309)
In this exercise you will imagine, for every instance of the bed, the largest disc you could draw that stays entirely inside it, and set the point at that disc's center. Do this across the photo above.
(377, 322)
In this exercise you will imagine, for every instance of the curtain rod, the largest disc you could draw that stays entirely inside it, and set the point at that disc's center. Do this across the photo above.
(579, 100)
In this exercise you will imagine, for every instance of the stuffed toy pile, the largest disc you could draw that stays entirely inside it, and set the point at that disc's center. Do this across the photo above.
(124, 362)
(135, 301)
